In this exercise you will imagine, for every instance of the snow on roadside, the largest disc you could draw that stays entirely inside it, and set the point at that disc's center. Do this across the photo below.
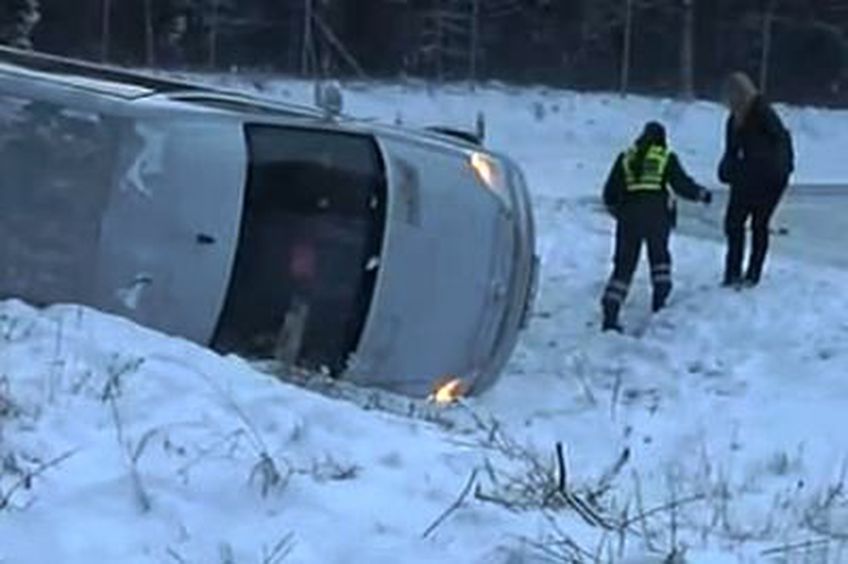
(735, 397)
(174, 453)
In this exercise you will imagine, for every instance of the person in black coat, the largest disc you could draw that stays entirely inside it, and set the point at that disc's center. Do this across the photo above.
(637, 195)
(757, 162)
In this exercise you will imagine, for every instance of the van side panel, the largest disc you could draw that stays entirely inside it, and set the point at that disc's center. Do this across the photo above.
(170, 230)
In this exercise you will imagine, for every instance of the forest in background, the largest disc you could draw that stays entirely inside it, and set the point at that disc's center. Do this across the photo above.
(796, 49)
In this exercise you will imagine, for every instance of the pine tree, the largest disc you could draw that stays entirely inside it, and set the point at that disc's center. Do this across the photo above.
(18, 19)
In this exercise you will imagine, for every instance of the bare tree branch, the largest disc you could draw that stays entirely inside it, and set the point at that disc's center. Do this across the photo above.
(25, 481)
(454, 506)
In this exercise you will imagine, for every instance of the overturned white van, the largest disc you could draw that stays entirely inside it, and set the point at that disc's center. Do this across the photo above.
(386, 256)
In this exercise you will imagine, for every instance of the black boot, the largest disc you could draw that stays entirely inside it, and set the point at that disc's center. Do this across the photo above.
(658, 303)
(611, 319)
(612, 326)
(730, 280)
(752, 278)
(734, 282)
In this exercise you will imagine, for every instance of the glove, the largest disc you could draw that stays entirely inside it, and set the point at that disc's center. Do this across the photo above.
(707, 197)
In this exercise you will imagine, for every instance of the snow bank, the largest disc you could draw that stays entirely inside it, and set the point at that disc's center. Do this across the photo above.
(169, 452)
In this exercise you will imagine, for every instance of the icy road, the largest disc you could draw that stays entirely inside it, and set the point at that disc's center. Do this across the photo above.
(810, 224)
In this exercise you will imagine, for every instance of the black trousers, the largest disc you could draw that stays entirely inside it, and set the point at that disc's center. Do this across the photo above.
(635, 227)
(740, 209)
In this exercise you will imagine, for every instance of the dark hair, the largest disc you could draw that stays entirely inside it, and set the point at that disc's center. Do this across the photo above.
(652, 135)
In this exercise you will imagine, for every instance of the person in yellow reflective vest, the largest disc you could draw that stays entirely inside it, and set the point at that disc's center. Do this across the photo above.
(637, 194)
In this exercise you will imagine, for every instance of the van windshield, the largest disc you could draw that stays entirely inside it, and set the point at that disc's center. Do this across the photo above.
(309, 247)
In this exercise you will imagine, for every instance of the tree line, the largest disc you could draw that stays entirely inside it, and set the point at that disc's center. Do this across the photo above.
(797, 50)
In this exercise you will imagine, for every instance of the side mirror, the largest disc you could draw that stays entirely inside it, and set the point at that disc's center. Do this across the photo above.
(328, 97)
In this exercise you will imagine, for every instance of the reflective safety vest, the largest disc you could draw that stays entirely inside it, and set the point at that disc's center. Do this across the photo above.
(653, 170)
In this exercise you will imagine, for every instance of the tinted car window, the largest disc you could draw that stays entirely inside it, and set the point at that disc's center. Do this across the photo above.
(309, 247)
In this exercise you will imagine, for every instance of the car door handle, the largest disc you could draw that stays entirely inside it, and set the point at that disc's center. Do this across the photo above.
(204, 239)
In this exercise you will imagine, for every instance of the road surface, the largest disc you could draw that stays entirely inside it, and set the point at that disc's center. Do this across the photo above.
(811, 223)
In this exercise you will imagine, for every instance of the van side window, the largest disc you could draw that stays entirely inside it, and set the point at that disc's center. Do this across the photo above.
(309, 248)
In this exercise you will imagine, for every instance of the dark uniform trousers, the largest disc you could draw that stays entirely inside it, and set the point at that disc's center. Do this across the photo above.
(640, 222)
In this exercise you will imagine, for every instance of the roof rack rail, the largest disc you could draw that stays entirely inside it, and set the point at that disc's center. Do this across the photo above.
(53, 64)
(241, 101)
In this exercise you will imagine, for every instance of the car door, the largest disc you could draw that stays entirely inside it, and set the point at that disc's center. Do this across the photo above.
(170, 229)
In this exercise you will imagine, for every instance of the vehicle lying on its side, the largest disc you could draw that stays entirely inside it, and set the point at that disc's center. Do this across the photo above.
(386, 256)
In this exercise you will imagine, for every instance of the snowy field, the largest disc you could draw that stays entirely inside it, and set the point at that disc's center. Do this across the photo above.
(716, 437)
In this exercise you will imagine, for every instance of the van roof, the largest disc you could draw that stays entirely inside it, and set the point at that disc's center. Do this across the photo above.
(129, 85)
(133, 86)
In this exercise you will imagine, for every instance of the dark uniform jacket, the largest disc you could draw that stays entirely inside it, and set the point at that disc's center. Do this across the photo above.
(621, 201)
(758, 156)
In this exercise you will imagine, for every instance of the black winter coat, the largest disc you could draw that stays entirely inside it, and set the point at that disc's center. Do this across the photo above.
(758, 155)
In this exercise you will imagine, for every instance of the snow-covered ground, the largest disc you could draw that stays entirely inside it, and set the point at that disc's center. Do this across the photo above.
(120, 445)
